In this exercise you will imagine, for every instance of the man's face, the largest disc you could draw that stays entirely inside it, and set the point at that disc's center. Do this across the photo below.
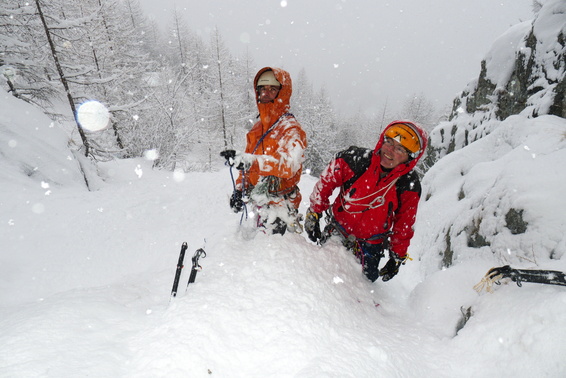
(392, 153)
(267, 93)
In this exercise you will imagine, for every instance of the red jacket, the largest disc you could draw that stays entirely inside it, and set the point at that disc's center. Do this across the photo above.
(281, 151)
(367, 205)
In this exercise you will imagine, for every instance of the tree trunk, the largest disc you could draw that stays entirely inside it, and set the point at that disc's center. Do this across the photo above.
(221, 89)
(62, 77)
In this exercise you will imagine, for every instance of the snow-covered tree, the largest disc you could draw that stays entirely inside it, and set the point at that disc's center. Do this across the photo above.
(419, 109)
(57, 42)
(316, 116)
(229, 94)
(24, 69)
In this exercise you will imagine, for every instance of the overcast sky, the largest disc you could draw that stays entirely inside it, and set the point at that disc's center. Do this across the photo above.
(364, 52)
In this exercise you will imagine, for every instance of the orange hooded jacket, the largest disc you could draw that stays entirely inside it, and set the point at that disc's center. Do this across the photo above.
(278, 141)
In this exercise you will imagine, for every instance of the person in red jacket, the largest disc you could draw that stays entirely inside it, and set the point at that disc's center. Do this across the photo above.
(272, 163)
(377, 204)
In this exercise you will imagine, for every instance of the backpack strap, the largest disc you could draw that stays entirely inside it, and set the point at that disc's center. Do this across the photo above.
(358, 159)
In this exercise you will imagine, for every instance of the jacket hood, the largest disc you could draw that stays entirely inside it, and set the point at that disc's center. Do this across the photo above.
(408, 166)
(269, 113)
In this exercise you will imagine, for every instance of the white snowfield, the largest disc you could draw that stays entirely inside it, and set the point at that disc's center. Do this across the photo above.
(86, 276)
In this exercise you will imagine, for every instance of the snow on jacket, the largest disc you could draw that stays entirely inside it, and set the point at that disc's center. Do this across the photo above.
(367, 205)
(277, 140)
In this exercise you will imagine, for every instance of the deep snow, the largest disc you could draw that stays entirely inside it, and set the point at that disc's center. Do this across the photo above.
(86, 275)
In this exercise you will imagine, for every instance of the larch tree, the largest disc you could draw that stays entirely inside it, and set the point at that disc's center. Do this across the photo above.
(55, 42)
(176, 95)
(316, 116)
(231, 96)
(24, 69)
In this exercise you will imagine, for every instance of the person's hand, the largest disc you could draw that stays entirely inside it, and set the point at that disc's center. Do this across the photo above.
(233, 158)
(236, 201)
(228, 154)
(312, 225)
(391, 268)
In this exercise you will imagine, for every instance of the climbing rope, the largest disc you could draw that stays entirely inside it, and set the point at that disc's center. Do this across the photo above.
(377, 201)
(487, 282)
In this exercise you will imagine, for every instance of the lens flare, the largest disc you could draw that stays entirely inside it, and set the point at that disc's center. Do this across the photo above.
(93, 116)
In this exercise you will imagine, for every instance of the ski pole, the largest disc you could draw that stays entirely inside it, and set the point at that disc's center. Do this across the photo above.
(179, 269)
(229, 155)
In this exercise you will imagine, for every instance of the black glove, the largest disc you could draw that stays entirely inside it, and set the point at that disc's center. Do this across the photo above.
(312, 225)
(236, 202)
(391, 268)
(230, 156)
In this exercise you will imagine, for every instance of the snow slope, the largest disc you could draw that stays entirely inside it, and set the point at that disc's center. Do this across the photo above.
(86, 276)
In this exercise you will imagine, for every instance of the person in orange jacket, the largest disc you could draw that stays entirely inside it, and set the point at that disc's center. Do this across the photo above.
(377, 204)
(272, 163)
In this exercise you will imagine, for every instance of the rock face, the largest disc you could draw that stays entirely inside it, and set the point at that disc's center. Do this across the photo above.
(523, 73)
(495, 169)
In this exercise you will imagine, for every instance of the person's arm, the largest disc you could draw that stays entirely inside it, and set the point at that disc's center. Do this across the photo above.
(333, 176)
(405, 217)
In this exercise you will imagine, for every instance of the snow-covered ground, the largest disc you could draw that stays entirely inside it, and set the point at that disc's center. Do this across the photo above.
(86, 276)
